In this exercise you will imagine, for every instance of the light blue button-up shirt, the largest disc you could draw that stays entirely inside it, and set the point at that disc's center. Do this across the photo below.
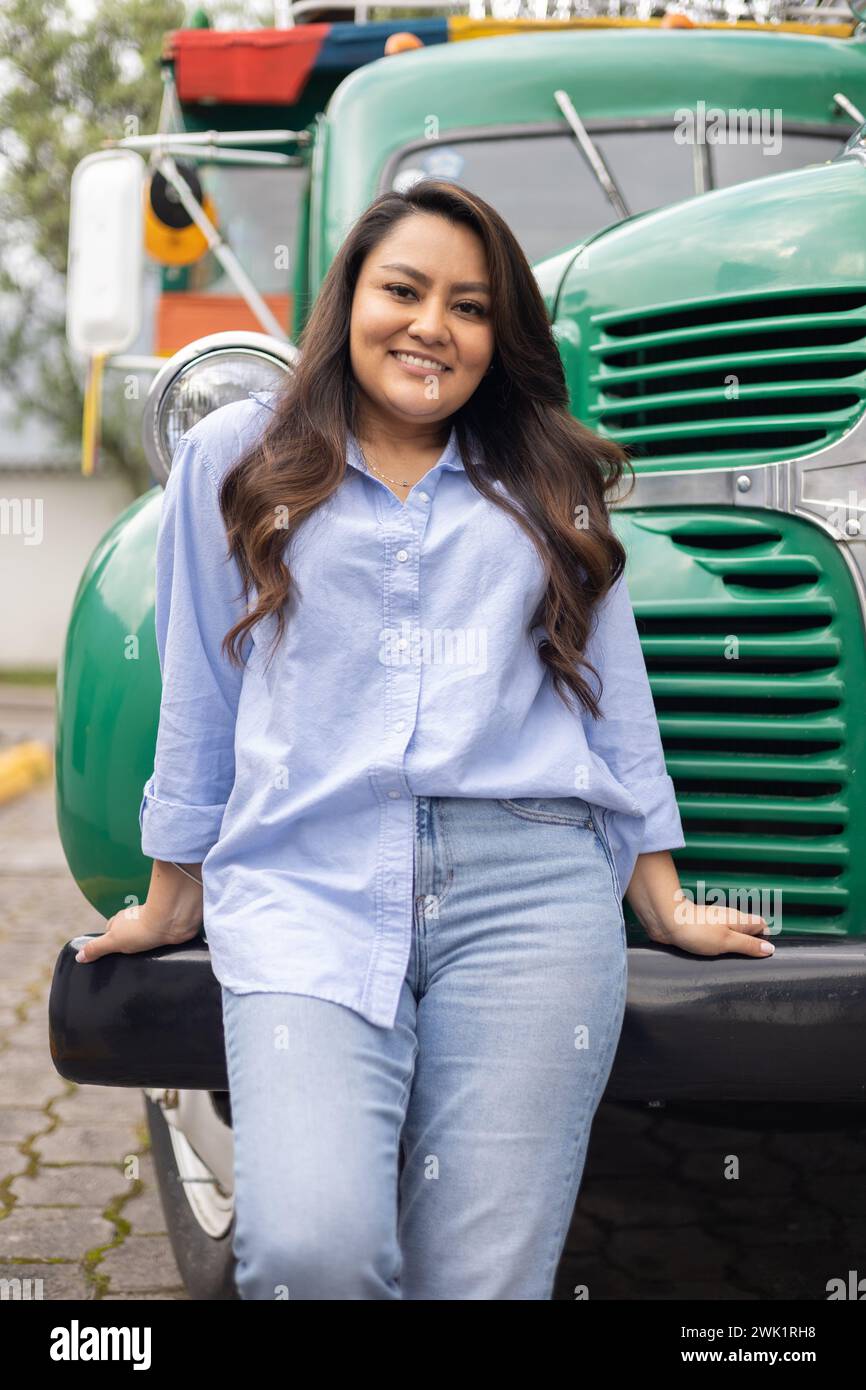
(406, 669)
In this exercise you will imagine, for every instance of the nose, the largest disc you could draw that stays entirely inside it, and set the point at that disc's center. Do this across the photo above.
(429, 322)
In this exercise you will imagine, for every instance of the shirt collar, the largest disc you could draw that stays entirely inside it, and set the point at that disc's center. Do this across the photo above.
(449, 458)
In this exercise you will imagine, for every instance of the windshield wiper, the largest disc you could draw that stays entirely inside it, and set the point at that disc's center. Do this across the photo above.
(592, 152)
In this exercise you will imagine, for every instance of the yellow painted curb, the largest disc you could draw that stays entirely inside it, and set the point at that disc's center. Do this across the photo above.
(21, 766)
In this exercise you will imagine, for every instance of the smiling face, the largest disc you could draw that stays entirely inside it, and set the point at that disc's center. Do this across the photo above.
(421, 336)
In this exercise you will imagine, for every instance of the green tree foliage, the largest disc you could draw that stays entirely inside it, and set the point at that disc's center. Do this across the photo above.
(67, 82)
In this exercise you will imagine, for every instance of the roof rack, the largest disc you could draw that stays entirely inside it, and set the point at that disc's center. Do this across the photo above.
(769, 12)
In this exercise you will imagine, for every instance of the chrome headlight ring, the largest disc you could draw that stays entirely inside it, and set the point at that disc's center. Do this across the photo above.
(205, 374)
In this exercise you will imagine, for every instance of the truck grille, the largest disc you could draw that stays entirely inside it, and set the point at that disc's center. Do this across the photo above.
(739, 380)
(753, 641)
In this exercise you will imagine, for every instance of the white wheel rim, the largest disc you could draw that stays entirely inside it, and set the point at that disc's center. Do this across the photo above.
(211, 1207)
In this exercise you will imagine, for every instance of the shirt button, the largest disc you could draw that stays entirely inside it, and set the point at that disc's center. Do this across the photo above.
(424, 496)
(402, 644)
(394, 794)
(402, 555)
(401, 724)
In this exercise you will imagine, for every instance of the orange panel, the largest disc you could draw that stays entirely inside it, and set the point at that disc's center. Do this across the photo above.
(185, 315)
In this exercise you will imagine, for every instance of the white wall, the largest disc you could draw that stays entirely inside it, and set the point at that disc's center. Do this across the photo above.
(66, 514)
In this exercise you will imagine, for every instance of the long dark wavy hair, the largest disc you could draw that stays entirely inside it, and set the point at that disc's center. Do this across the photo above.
(515, 428)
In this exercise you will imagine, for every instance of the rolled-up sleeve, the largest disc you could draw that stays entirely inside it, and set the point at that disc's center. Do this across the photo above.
(199, 596)
(628, 737)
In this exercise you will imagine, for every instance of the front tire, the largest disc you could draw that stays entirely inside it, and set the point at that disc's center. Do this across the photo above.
(206, 1262)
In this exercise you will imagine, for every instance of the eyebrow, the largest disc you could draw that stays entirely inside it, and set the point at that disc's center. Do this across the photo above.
(425, 279)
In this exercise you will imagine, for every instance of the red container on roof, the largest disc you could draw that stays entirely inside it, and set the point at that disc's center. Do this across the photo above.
(258, 67)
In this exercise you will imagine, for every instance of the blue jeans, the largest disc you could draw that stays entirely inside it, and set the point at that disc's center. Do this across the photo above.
(440, 1159)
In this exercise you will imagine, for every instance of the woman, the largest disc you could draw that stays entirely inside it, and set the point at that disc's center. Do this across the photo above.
(414, 810)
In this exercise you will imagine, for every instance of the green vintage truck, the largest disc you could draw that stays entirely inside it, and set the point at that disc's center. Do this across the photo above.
(709, 297)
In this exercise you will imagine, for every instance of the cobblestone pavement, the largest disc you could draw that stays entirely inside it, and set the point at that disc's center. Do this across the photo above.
(79, 1207)
(656, 1218)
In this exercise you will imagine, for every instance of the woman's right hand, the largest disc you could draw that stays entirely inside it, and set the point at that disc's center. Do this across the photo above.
(171, 915)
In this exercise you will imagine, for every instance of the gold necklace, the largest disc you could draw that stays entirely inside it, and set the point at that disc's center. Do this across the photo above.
(372, 468)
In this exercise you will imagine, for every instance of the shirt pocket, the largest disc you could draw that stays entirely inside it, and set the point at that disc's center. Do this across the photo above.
(556, 810)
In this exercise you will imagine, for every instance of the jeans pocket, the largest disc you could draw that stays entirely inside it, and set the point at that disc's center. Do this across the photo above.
(598, 821)
(556, 810)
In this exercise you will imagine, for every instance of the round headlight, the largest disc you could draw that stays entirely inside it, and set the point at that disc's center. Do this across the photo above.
(211, 372)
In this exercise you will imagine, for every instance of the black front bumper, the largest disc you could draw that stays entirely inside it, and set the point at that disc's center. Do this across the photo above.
(725, 1028)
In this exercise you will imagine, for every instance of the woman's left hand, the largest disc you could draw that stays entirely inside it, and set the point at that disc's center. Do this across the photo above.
(709, 929)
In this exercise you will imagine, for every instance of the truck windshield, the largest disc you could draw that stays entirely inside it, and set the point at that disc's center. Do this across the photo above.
(258, 212)
(543, 185)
